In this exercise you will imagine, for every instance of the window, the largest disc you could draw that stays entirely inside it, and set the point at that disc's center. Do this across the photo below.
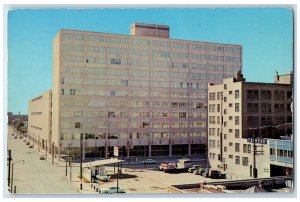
(230, 156)
(111, 114)
(112, 93)
(230, 117)
(211, 96)
(218, 107)
(77, 125)
(62, 91)
(115, 61)
(272, 151)
(245, 148)
(237, 120)
(237, 160)
(230, 105)
(237, 94)
(237, 133)
(225, 136)
(225, 149)
(252, 94)
(225, 99)
(230, 92)
(230, 144)
(289, 94)
(245, 161)
(72, 91)
(237, 107)
(237, 147)
(249, 148)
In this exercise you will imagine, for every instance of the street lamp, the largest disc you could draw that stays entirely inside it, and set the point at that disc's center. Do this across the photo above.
(12, 173)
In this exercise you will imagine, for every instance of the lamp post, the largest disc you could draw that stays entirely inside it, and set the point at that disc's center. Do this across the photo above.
(12, 173)
(9, 159)
(81, 161)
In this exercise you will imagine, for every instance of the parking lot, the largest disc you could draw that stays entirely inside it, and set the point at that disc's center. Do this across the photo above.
(38, 176)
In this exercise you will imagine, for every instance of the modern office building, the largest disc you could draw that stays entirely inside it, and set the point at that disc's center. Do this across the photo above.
(39, 120)
(144, 92)
(241, 113)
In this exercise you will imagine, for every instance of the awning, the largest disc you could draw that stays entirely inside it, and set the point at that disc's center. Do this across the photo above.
(101, 162)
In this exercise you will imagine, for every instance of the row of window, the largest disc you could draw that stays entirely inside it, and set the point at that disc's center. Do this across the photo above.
(143, 63)
(267, 107)
(132, 124)
(267, 94)
(212, 132)
(212, 120)
(72, 136)
(245, 160)
(267, 120)
(101, 59)
(212, 96)
(146, 42)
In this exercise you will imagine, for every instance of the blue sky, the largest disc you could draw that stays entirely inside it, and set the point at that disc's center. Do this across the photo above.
(264, 33)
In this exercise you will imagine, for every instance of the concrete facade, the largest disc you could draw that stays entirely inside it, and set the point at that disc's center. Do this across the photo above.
(145, 93)
(239, 111)
(39, 120)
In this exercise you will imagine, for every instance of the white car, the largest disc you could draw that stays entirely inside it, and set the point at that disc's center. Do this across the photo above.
(111, 190)
(149, 161)
(103, 177)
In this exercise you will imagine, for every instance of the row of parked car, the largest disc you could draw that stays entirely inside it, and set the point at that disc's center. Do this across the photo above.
(206, 172)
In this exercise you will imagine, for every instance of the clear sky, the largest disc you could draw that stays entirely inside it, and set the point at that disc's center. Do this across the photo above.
(266, 35)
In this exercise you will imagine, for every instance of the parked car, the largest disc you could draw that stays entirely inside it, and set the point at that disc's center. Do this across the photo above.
(199, 171)
(31, 146)
(216, 174)
(104, 178)
(42, 157)
(149, 161)
(194, 167)
(112, 190)
(205, 172)
(27, 143)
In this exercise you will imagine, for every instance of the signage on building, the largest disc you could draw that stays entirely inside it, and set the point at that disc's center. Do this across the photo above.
(116, 151)
(258, 140)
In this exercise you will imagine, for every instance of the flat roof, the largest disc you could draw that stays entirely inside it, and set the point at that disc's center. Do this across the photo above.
(101, 162)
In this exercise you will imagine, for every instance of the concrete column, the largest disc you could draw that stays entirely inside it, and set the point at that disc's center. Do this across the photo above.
(58, 149)
(170, 150)
(149, 151)
(128, 152)
(106, 151)
(189, 150)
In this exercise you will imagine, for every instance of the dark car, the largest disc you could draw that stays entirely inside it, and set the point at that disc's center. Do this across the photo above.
(215, 174)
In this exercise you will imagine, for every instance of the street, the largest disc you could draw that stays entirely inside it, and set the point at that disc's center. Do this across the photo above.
(36, 176)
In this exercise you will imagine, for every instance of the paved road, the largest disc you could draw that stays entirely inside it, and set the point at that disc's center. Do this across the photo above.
(36, 176)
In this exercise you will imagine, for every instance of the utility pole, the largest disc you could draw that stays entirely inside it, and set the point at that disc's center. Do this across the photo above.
(66, 166)
(12, 178)
(46, 149)
(53, 153)
(70, 159)
(9, 164)
(254, 157)
(80, 161)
